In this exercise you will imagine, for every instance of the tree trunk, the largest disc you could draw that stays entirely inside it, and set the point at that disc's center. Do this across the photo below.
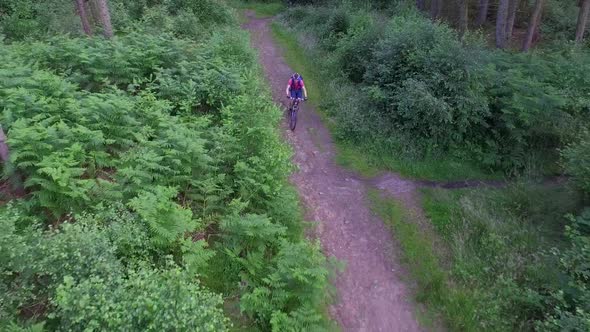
(4, 152)
(92, 8)
(511, 18)
(81, 9)
(436, 8)
(463, 17)
(501, 21)
(582, 19)
(421, 5)
(482, 15)
(533, 24)
(105, 18)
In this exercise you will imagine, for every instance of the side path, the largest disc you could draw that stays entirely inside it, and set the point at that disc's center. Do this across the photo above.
(371, 295)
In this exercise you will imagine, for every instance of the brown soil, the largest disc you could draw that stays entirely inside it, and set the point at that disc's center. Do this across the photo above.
(370, 293)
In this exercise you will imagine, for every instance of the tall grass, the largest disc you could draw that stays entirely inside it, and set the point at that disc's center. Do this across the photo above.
(499, 242)
(454, 303)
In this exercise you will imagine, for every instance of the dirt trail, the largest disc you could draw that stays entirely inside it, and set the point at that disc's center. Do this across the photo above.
(370, 293)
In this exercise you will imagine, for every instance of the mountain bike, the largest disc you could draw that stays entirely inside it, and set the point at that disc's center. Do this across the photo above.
(293, 109)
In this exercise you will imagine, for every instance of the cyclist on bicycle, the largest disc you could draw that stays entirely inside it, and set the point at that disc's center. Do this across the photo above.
(296, 87)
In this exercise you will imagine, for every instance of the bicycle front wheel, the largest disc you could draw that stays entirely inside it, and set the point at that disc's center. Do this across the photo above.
(293, 119)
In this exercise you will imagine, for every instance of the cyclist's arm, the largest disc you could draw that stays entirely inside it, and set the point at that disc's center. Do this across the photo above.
(287, 91)
(304, 92)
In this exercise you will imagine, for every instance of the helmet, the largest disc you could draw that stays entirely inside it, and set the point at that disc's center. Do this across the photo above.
(296, 75)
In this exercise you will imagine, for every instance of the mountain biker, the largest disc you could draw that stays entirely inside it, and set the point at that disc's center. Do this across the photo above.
(295, 87)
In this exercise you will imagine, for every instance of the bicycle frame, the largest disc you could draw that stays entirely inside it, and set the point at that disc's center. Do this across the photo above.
(295, 103)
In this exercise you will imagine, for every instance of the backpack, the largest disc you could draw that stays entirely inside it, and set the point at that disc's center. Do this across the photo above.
(296, 84)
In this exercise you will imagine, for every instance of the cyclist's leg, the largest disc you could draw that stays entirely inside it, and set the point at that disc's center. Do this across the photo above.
(293, 96)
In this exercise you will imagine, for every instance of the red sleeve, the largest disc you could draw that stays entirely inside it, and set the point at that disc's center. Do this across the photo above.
(290, 82)
(302, 83)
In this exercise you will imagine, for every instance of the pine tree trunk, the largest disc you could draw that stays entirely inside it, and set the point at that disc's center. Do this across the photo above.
(4, 151)
(482, 14)
(501, 20)
(81, 9)
(463, 17)
(435, 9)
(582, 20)
(511, 18)
(105, 18)
(421, 4)
(533, 24)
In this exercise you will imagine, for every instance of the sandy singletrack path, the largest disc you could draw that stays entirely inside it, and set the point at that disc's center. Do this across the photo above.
(370, 293)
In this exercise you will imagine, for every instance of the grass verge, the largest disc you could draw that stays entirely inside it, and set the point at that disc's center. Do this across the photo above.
(419, 254)
(369, 161)
(500, 242)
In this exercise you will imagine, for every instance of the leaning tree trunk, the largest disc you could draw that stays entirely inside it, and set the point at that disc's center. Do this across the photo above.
(501, 21)
(533, 24)
(436, 8)
(582, 19)
(105, 18)
(81, 9)
(4, 152)
(463, 17)
(482, 14)
(421, 5)
(511, 18)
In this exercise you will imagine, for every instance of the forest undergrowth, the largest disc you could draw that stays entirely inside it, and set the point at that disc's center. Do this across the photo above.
(152, 177)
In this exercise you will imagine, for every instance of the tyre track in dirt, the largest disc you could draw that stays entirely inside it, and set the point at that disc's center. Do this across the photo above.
(370, 293)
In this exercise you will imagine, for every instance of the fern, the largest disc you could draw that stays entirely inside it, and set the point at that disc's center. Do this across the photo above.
(195, 256)
(58, 182)
(166, 220)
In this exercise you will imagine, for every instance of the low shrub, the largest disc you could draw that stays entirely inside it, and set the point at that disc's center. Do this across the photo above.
(145, 299)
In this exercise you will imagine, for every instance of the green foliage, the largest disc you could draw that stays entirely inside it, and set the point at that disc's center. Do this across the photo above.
(577, 162)
(354, 50)
(23, 19)
(407, 87)
(144, 300)
(498, 252)
(288, 294)
(206, 11)
(165, 219)
(420, 253)
(571, 311)
(265, 8)
(158, 145)
(35, 262)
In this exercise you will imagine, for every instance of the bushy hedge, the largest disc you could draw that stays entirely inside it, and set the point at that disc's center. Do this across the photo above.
(418, 82)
